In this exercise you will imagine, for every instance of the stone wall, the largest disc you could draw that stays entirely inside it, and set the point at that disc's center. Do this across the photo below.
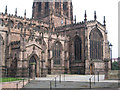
(36, 39)
(52, 14)
(114, 74)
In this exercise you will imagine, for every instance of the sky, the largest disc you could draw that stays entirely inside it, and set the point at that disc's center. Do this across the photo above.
(107, 8)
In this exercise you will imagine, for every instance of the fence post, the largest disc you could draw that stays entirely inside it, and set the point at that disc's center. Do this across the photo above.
(28, 80)
(16, 86)
(94, 79)
(55, 81)
(90, 83)
(98, 76)
(60, 78)
(23, 82)
(64, 77)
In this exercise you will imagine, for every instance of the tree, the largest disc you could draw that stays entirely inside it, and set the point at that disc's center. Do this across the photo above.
(115, 66)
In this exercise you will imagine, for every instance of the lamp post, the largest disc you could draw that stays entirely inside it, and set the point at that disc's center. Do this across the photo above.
(110, 45)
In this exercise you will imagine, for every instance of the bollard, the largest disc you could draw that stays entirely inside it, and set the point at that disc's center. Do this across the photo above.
(50, 85)
(90, 83)
(55, 81)
(16, 86)
(23, 82)
(98, 76)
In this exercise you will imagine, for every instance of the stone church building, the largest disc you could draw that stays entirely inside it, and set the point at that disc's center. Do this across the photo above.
(51, 42)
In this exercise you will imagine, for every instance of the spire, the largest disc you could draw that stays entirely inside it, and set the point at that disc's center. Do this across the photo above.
(6, 9)
(16, 12)
(25, 14)
(104, 21)
(95, 17)
(85, 16)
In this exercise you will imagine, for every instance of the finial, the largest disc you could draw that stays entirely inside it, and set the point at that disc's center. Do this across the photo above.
(16, 12)
(25, 14)
(6, 9)
(104, 21)
(85, 16)
(95, 17)
(75, 19)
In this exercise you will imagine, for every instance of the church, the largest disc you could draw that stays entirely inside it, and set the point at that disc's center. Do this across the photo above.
(52, 42)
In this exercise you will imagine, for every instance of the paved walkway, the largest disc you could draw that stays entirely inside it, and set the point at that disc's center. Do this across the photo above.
(72, 81)
(76, 78)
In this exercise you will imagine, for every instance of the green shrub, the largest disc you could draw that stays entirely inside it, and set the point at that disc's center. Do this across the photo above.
(115, 66)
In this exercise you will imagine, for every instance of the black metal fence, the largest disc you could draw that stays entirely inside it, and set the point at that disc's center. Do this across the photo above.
(10, 75)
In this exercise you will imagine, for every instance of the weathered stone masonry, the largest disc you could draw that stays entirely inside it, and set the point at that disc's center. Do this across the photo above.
(50, 43)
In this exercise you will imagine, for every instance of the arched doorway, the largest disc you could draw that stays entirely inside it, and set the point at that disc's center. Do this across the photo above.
(13, 67)
(32, 67)
(91, 69)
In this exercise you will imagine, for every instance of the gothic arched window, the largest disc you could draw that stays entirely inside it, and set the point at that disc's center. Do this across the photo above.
(65, 8)
(39, 7)
(1, 43)
(96, 44)
(56, 52)
(58, 7)
(78, 48)
(71, 11)
(56, 4)
(20, 25)
(1, 22)
(46, 8)
(11, 24)
(37, 28)
(65, 5)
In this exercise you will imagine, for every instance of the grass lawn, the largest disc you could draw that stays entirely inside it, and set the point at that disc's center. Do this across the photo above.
(9, 79)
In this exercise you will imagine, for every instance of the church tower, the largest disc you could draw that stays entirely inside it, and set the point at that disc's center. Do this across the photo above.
(58, 13)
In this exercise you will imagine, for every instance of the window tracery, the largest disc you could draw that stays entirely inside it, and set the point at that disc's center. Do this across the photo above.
(78, 48)
(96, 44)
(56, 52)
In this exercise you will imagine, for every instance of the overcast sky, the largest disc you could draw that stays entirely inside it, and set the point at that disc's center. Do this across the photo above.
(108, 8)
